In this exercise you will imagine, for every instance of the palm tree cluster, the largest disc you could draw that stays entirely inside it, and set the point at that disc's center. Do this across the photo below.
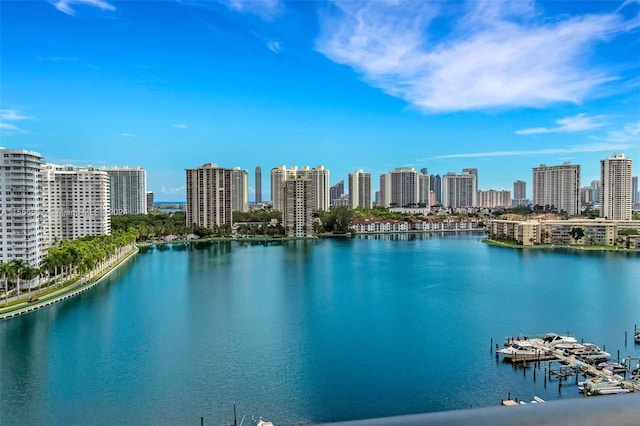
(66, 261)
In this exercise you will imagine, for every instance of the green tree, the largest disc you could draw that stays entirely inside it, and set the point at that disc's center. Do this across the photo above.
(577, 233)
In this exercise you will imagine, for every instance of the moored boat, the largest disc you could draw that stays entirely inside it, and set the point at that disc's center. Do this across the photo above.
(523, 351)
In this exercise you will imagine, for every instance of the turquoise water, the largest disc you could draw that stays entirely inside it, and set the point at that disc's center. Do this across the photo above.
(308, 331)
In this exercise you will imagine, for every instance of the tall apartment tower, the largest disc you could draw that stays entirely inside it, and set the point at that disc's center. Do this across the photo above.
(557, 186)
(384, 194)
(319, 177)
(615, 194)
(239, 190)
(20, 231)
(209, 196)
(634, 190)
(360, 190)
(335, 193)
(519, 193)
(595, 191)
(77, 200)
(149, 201)
(128, 190)
(493, 198)
(298, 202)
(258, 185)
(460, 190)
(435, 183)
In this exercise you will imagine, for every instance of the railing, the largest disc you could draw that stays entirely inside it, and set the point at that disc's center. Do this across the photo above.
(618, 410)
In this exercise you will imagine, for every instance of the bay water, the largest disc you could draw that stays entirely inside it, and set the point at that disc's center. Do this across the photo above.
(309, 331)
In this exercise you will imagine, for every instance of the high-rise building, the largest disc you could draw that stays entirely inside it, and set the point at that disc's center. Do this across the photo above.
(319, 177)
(460, 190)
(435, 183)
(149, 201)
(404, 187)
(298, 203)
(493, 198)
(520, 193)
(360, 190)
(557, 186)
(209, 196)
(239, 190)
(258, 184)
(20, 230)
(76, 201)
(128, 190)
(595, 191)
(519, 190)
(335, 193)
(615, 194)
(634, 190)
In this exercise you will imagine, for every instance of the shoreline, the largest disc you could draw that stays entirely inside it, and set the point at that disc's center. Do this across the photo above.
(610, 249)
(65, 293)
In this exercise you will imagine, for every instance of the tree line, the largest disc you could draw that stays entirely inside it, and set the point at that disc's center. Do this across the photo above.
(66, 261)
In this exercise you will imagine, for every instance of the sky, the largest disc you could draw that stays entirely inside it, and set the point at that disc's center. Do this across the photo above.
(501, 86)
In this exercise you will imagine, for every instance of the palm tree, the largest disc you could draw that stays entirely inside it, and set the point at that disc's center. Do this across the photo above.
(16, 266)
(4, 273)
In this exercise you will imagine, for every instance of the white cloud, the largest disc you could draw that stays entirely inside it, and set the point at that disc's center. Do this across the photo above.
(274, 46)
(131, 135)
(595, 147)
(12, 115)
(65, 5)
(179, 126)
(172, 191)
(497, 55)
(629, 133)
(577, 123)
(267, 10)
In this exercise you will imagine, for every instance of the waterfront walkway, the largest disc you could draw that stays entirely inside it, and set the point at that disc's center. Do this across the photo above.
(83, 284)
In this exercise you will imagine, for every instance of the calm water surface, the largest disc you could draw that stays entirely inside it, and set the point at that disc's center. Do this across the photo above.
(308, 331)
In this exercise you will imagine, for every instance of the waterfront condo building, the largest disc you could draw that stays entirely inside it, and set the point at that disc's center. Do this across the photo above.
(360, 190)
(209, 194)
(460, 190)
(493, 198)
(258, 184)
(75, 201)
(149, 201)
(557, 186)
(128, 190)
(319, 177)
(435, 183)
(336, 192)
(404, 187)
(20, 208)
(298, 203)
(239, 190)
(520, 193)
(616, 187)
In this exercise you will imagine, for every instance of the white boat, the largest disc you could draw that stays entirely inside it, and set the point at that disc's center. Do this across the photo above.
(612, 367)
(262, 422)
(559, 342)
(590, 353)
(637, 338)
(602, 385)
(523, 350)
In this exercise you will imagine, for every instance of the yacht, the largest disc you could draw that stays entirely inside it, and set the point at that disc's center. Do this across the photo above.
(523, 350)
(590, 353)
(602, 386)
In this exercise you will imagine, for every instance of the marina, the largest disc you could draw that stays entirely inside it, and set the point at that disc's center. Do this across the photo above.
(602, 376)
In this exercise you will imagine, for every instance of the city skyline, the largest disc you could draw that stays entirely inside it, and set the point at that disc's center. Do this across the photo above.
(498, 86)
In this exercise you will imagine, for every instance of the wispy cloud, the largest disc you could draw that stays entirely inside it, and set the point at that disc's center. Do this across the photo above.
(131, 135)
(267, 10)
(594, 147)
(577, 123)
(172, 191)
(498, 54)
(274, 46)
(10, 115)
(65, 6)
(179, 126)
(629, 133)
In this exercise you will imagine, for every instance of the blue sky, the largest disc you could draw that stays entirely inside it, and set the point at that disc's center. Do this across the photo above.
(167, 85)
